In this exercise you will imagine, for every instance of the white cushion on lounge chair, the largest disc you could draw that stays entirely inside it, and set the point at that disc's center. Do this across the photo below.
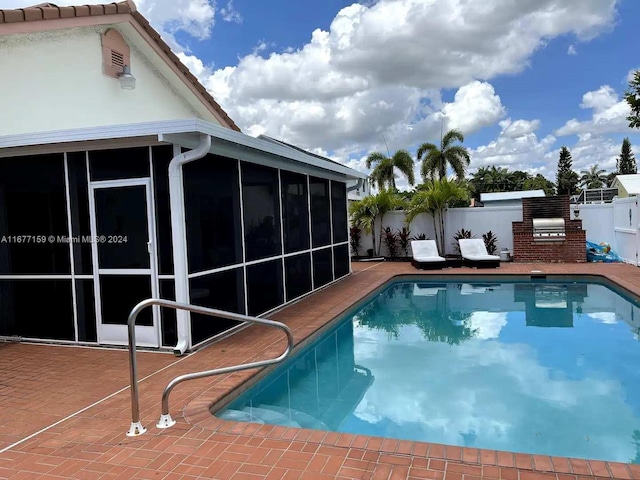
(474, 249)
(425, 251)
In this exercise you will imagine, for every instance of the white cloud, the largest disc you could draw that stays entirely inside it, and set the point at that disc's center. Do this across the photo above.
(230, 14)
(604, 317)
(487, 325)
(609, 114)
(475, 105)
(518, 148)
(195, 17)
(379, 67)
(518, 128)
(454, 394)
(572, 50)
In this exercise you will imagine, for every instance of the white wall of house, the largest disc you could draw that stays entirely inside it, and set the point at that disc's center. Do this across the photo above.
(53, 80)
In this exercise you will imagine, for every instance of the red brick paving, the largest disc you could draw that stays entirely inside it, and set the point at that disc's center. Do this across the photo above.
(43, 384)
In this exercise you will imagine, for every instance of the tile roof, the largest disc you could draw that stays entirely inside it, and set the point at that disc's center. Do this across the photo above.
(50, 11)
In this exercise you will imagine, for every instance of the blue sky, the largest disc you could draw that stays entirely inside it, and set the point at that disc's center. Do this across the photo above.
(579, 47)
(520, 79)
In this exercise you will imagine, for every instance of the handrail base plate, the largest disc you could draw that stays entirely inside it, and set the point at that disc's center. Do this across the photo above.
(165, 421)
(136, 429)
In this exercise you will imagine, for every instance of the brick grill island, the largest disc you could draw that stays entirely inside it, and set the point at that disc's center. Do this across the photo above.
(571, 248)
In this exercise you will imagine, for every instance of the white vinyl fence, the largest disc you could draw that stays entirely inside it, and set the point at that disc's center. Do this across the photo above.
(616, 223)
(625, 223)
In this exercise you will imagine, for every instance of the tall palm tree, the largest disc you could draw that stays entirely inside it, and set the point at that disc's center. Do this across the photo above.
(384, 172)
(436, 159)
(593, 178)
(437, 196)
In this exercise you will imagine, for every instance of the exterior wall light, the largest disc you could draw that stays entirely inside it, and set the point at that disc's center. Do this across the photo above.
(127, 81)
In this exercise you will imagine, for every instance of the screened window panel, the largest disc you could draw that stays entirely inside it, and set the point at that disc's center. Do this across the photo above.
(339, 212)
(298, 275)
(212, 204)
(21, 315)
(119, 164)
(79, 202)
(223, 291)
(162, 156)
(341, 260)
(322, 267)
(320, 212)
(264, 286)
(295, 207)
(33, 215)
(261, 209)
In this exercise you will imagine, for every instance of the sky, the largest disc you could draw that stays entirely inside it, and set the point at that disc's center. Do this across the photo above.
(519, 78)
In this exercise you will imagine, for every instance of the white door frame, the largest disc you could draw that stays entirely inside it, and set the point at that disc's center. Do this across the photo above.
(146, 336)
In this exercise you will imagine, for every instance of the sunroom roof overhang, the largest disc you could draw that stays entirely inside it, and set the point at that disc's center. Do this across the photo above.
(225, 142)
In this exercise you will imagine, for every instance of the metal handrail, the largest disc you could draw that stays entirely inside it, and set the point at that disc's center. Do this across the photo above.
(165, 419)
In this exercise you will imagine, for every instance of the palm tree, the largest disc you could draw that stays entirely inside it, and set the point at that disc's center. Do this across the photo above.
(437, 196)
(593, 178)
(384, 172)
(369, 211)
(437, 159)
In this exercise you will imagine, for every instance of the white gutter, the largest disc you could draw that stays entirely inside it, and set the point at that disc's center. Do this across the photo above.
(179, 238)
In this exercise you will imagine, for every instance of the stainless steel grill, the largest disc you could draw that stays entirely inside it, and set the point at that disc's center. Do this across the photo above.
(548, 229)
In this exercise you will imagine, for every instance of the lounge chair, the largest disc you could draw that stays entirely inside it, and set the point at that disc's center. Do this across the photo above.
(474, 254)
(425, 255)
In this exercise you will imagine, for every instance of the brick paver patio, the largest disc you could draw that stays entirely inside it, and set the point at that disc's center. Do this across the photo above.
(65, 410)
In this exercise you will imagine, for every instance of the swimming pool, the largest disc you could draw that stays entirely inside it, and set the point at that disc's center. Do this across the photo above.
(546, 367)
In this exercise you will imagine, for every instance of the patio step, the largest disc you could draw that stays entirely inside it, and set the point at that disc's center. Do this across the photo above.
(270, 417)
(239, 416)
(304, 419)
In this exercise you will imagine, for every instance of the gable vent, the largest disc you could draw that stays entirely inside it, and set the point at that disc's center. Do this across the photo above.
(115, 53)
(117, 60)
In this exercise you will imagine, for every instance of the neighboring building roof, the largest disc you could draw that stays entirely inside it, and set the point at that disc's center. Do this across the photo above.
(630, 182)
(500, 196)
(51, 12)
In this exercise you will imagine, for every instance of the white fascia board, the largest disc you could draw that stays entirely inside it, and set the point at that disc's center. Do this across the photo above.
(168, 127)
(273, 148)
(227, 149)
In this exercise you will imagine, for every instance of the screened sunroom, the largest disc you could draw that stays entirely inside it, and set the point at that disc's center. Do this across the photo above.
(92, 221)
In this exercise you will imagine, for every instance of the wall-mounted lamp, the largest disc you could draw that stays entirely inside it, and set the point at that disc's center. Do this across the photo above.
(127, 81)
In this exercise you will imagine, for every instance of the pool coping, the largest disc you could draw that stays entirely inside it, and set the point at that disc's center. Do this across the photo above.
(468, 461)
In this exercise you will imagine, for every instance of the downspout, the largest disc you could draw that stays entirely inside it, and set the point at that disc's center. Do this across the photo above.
(357, 186)
(179, 238)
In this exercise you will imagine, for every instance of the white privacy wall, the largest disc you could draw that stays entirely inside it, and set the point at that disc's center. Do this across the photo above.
(597, 220)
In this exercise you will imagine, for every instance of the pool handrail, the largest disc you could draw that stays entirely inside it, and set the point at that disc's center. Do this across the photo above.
(166, 421)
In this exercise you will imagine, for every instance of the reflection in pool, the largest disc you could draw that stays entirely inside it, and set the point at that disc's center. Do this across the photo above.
(543, 368)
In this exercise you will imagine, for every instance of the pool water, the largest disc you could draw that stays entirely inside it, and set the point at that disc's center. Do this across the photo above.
(544, 367)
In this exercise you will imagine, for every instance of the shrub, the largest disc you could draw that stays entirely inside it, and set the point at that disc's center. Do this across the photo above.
(462, 233)
(420, 236)
(491, 242)
(355, 239)
(404, 240)
(391, 241)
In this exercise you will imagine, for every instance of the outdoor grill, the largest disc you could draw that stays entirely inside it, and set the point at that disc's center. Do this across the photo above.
(548, 229)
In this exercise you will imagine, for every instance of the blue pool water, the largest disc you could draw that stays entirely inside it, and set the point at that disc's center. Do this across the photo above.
(538, 367)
